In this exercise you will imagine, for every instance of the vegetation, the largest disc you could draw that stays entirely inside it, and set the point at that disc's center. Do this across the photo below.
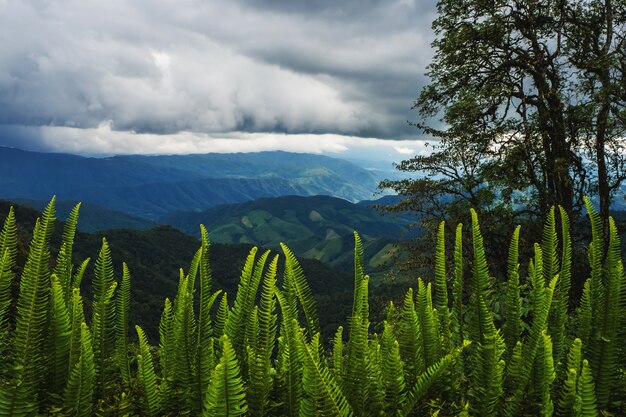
(483, 347)
(526, 103)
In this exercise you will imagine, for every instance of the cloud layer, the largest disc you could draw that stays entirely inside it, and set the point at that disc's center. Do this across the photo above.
(215, 68)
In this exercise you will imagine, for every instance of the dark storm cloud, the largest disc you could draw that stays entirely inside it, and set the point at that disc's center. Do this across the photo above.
(213, 67)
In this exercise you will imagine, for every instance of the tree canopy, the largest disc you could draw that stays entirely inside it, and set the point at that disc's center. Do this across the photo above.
(525, 107)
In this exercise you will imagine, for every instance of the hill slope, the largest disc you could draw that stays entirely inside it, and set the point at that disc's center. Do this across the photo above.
(318, 227)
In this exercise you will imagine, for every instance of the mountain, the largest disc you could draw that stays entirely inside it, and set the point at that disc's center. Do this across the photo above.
(151, 186)
(318, 227)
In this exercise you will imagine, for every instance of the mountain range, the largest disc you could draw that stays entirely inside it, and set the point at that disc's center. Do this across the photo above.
(153, 186)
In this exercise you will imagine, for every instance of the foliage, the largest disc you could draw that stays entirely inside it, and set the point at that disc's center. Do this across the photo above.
(529, 106)
(444, 353)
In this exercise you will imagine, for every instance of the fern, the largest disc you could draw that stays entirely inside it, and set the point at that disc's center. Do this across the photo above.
(604, 346)
(204, 345)
(410, 340)
(146, 376)
(513, 326)
(457, 306)
(441, 286)
(103, 321)
(8, 255)
(20, 397)
(81, 384)
(321, 394)
(428, 318)
(338, 361)
(235, 326)
(60, 331)
(259, 354)
(545, 375)
(558, 314)
(428, 378)
(64, 265)
(394, 385)
(226, 395)
(295, 275)
(121, 328)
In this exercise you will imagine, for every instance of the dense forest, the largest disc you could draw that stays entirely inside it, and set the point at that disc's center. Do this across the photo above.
(468, 343)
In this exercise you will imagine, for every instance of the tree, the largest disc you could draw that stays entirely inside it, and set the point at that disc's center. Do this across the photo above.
(526, 106)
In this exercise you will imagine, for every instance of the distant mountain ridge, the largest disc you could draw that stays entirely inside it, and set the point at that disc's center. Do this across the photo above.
(151, 186)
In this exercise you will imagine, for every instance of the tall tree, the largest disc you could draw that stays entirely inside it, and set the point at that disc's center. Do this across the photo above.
(526, 106)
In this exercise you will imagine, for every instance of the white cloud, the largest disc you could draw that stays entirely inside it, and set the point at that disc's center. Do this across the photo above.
(216, 67)
(104, 140)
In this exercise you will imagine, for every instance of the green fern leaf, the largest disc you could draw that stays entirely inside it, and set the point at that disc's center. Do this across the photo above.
(146, 376)
(322, 396)
(8, 255)
(121, 328)
(60, 330)
(20, 397)
(425, 380)
(392, 371)
(295, 275)
(410, 340)
(513, 305)
(226, 395)
(441, 287)
(79, 392)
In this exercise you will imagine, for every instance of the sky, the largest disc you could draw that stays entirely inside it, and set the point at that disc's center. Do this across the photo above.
(194, 76)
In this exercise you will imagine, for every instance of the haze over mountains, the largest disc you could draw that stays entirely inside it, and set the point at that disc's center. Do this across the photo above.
(152, 186)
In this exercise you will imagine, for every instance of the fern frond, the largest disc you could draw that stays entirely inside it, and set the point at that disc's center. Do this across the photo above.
(512, 312)
(103, 321)
(146, 376)
(410, 340)
(425, 380)
(79, 392)
(60, 331)
(235, 326)
(321, 394)
(544, 375)
(358, 275)
(260, 353)
(392, 372)
(8, 255)
(587, 405)
(32, 313)
(122, 309)
(64, 265)
(338, 363)
(558, 314)
(428, 320)
(441, 286)
(204, 344)
(294, 274)
(569, 395)
(223, 311)
(457, 304)
(355, 382)
(585, 314)
(80, 273)
(226, 395)
(604, 346)
(482, 327)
